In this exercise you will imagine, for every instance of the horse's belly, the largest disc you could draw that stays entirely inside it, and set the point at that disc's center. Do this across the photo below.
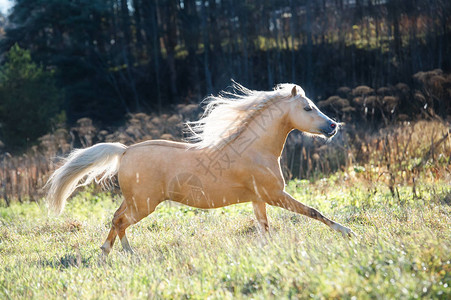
(193, 190)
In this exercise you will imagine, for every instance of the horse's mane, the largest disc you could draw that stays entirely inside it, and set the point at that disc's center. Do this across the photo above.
(227, 115)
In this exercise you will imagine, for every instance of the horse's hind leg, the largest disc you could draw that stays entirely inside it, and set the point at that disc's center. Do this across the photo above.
(106, 247)
(135, 211)
(127, 214)
(121, 223)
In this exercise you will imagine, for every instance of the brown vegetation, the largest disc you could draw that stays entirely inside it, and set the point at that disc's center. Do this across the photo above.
(392, 132)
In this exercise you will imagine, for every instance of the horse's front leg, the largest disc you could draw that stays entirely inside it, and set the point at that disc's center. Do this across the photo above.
(286, 201)
(260, 214)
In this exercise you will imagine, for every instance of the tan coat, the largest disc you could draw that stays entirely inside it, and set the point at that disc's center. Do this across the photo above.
(243, 167)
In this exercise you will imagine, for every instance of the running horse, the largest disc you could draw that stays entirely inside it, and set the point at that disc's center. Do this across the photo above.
(233, 156)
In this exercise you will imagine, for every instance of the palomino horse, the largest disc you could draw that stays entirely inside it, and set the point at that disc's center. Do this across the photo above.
(234, 157)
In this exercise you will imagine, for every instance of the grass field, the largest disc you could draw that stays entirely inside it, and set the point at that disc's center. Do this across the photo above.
(403, 249)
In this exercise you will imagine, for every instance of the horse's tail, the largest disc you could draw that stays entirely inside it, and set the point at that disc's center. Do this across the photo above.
(101, 159)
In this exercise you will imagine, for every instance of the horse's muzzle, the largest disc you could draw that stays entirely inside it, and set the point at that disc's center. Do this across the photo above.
(330, 129)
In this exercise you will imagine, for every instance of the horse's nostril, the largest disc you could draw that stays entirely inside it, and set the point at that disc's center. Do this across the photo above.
(333, 125)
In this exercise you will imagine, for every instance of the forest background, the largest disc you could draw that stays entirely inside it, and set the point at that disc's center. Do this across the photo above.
(73, 73)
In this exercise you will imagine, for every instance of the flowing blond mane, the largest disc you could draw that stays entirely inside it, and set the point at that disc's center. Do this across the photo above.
(227, 115)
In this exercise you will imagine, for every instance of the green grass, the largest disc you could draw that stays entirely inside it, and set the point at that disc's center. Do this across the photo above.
(403, 249)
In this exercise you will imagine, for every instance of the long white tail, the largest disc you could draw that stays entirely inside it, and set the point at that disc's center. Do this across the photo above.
(101, 159)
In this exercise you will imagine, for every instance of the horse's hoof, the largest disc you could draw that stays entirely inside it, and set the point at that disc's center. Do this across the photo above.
(105, 251)
(348, 233)
(129, 251)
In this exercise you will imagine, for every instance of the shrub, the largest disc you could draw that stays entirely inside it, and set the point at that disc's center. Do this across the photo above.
(29, 100)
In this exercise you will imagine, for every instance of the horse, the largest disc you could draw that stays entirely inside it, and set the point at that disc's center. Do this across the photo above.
(232, 156)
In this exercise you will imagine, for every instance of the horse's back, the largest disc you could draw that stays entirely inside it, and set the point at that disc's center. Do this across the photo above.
(161, 143)
(146, 167)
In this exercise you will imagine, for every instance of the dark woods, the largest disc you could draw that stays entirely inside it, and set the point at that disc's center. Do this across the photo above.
(91, 71)
(112, 57)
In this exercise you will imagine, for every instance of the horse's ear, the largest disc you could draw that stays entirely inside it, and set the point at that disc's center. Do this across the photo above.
(294, 91)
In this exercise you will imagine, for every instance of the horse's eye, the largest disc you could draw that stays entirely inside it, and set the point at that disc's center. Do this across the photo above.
(307, 108)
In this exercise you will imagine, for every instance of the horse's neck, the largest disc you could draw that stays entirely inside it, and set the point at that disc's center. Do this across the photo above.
(266, 133)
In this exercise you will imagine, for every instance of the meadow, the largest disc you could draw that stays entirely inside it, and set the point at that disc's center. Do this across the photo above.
(392, 187)
(403, 248)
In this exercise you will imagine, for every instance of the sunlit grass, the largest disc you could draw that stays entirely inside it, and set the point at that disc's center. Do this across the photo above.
(403, 249)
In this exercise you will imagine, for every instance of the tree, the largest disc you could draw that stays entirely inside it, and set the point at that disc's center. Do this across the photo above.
(29, 99)
(119, 56)
(85, 43)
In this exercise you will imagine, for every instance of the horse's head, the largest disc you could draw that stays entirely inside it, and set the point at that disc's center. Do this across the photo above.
(306, 117)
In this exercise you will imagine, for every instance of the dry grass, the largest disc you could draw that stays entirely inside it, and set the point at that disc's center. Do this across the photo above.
(384, 142)
(403, 248)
